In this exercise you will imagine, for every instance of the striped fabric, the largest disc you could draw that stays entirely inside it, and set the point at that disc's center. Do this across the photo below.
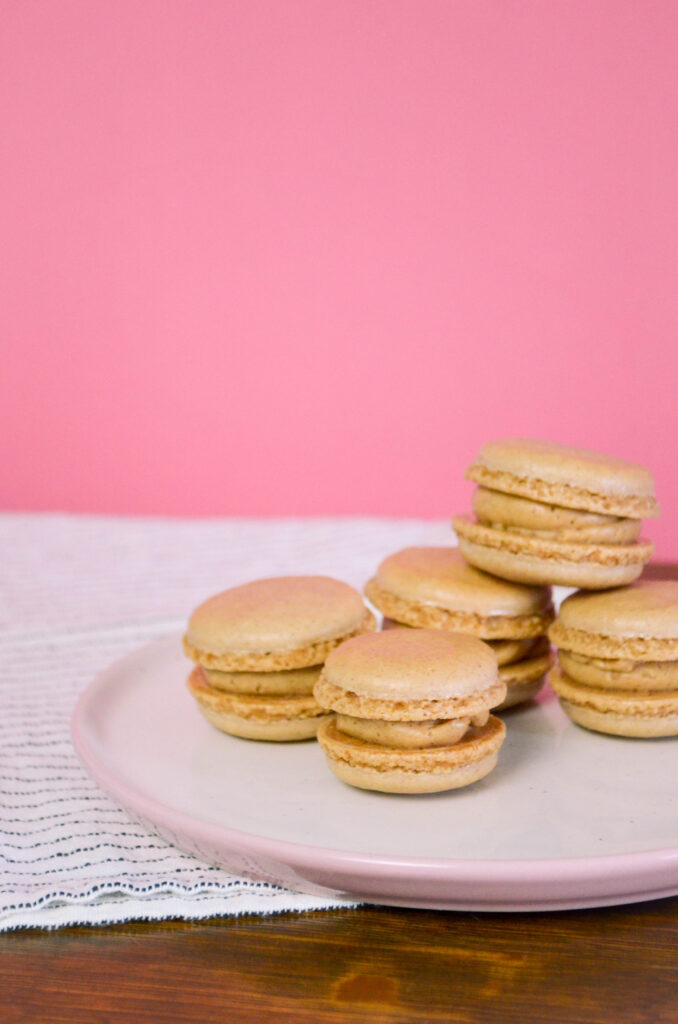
(77, 593)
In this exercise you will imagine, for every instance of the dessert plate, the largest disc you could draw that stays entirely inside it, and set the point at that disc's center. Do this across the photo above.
(568, 818)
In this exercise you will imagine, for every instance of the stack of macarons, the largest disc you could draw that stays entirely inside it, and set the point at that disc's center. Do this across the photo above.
(435, 588)
(258, 649)
(407, 710)
(618, 659)
(411, 711)
(549, 514)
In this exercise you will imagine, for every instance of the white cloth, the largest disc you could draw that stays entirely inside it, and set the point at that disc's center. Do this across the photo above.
(76, 593)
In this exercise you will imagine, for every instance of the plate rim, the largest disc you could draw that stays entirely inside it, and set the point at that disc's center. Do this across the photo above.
(508, 874)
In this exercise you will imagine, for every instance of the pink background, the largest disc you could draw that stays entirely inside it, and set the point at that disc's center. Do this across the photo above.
(304, 257)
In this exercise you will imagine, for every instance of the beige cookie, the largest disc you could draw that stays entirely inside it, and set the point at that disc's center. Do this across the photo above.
(534, 519)
(435, 587)
(505, 651)
(637, 623)
(412, 710)
(618, 659)
(292, 682)
(638, 714)
(531, 559)
(524, 679)
(276, 718)
(406, 770)
(277, 624)
(619, 673)
(556, 474)
(546, 513)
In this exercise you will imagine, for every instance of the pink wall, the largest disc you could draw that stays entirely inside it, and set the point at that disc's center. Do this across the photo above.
(303, 257)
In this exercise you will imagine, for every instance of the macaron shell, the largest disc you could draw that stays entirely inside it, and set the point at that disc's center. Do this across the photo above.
(252, 717)
(546, 549)
(276, 661)
(621, 713)
(399, 781)
(648, 608)
(294, 682)
(617, 531)
(520, 693)
(613, 724)
(504, 650)
(280, 614)
(525, 678)
(507, 651)
(278, 730)
(571, 477)
(346, 702)
(441, 577)
(619, 674)
(525, 568)
(410, 613)
(526, 670)
(637, 623)
(412, 665)
(388, 770)
(599, 645)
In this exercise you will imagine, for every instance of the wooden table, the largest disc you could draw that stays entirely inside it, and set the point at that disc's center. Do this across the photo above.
(618, 964)
(378, 964)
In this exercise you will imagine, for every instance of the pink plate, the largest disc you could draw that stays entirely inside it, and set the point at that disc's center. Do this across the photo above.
(568, 818)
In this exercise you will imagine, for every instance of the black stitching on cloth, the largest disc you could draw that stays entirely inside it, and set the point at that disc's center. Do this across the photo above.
(68, 839)
(109, 844)
(102, 863)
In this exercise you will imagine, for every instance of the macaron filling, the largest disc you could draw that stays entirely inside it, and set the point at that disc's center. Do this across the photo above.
(511, 510)
(619, 673)
(415, 735)
(271, 716)
(618, 531)
(291, 682)
(380, 757)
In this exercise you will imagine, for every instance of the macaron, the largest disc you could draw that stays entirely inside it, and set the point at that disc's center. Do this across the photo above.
(279, 717)
(411, 711)
(524, 678)
(436, 588)
(547, 513)
(258, 649)
(618, 659)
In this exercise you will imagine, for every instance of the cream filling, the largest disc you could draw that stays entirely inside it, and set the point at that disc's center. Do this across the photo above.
(410, 735)
(620, 673)
(292, 682)
(619, 531)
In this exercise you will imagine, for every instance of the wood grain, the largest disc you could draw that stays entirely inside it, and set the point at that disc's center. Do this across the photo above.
(378, 964)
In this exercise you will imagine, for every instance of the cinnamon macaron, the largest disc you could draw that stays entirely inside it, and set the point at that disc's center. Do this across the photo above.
(258, 649)
(412, 711)
(618, 659)
(436, 588)
(547, 513)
